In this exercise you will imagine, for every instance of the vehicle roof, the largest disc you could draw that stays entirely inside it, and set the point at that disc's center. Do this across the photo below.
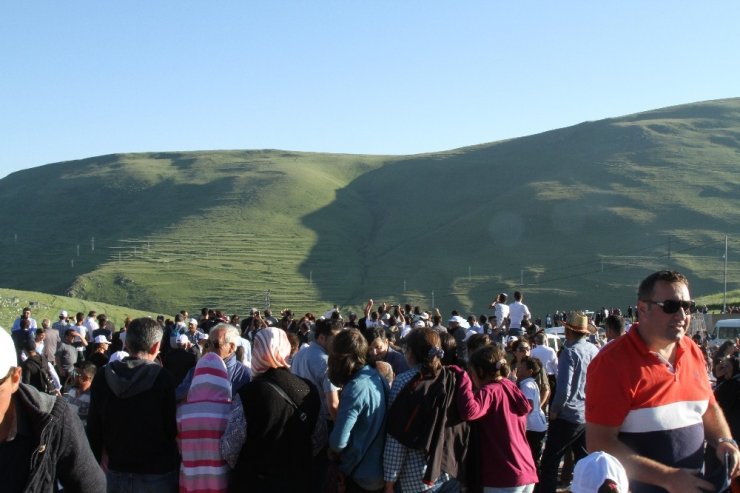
(728, 322)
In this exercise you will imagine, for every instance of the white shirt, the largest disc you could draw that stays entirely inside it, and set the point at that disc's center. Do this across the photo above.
(548, 357)
(517, 311)
(536, 420)
(502, 311)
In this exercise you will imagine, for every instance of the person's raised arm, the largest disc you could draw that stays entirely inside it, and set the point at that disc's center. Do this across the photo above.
(471, 405)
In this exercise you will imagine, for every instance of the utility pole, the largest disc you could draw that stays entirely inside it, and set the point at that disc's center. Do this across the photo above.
(433, 300)
(469, 272)
(92, 244)
(521, 278)
(724, 301)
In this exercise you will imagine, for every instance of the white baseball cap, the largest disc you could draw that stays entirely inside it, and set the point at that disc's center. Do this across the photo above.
(591, 472)
(117, 356)
(8, 356)
(193, 322)
(101, 340)
(182, 339)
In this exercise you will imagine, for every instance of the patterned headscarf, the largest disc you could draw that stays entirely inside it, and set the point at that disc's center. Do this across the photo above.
(201, 421)
(271, 350)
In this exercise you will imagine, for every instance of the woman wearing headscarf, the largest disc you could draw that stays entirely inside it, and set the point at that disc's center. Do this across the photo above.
(201, 421)
(280, 410)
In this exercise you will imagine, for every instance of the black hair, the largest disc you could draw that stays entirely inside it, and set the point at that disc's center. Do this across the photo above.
(645, 291)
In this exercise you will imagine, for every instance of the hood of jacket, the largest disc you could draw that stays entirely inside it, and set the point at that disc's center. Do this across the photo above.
(131, 376)
(210, 381)
(519, 404)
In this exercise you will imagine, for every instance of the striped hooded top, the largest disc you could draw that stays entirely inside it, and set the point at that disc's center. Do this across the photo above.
(201, 420)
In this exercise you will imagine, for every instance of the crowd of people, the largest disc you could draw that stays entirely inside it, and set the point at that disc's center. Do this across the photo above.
(395, 400)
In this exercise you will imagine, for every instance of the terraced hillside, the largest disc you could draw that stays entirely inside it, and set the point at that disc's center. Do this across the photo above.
(575, 217)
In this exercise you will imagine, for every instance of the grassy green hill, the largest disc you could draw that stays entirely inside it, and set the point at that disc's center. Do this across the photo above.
(575, 217)
(45, 305)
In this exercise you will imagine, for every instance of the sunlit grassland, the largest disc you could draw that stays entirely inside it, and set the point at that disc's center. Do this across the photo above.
(574, 217)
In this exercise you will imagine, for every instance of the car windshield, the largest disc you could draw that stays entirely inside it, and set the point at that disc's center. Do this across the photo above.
(728, 332)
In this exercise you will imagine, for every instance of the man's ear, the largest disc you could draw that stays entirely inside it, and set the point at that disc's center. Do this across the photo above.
(641, 307)
(154, 350)
(15, 379)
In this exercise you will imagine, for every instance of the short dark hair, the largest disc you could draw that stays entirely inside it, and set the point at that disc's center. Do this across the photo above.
(141, 334)
(28, 344)
(645, 291)
(531, 363)
(87, 368)
(614, 323)
(517, 295)
(477, 340)
(377, 332)
(328, 327)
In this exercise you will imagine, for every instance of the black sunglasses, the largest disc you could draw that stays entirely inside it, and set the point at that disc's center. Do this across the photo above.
(672, 306)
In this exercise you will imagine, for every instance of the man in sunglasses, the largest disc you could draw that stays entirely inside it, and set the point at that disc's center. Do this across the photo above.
(648, 398)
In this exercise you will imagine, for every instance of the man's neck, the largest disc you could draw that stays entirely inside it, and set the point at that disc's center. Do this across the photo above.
(666, 349)
(8, 422)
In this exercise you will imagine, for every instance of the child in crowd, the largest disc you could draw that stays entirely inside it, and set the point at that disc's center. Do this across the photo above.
(501, 410)
(527, 371)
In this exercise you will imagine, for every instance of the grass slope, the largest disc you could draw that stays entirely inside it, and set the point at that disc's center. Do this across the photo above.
(46, 305)
(575, 217)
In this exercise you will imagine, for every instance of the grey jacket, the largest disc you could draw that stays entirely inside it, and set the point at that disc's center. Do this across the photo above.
(63, 453)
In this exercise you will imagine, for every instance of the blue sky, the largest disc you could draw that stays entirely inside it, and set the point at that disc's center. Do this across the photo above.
(80, 79)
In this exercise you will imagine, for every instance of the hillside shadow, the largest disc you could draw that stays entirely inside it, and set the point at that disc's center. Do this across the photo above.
(539, 213)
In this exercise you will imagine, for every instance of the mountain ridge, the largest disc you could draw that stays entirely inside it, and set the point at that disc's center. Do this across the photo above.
(452, 228)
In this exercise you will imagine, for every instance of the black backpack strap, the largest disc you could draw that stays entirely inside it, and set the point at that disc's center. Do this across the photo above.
(301, 415)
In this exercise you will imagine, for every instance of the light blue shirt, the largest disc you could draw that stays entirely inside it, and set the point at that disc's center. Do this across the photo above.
(359, 431)
(570, 395)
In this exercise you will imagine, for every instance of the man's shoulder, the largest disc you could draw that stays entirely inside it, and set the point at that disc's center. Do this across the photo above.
(311, 354)
(544, 350)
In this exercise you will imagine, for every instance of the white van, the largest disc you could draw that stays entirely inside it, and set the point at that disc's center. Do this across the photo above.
(725, 330)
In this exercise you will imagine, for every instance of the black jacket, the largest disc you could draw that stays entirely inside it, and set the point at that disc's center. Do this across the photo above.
(424, 416)
(62, 452)
(132, 417)
(277, 453)
(36, 373)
